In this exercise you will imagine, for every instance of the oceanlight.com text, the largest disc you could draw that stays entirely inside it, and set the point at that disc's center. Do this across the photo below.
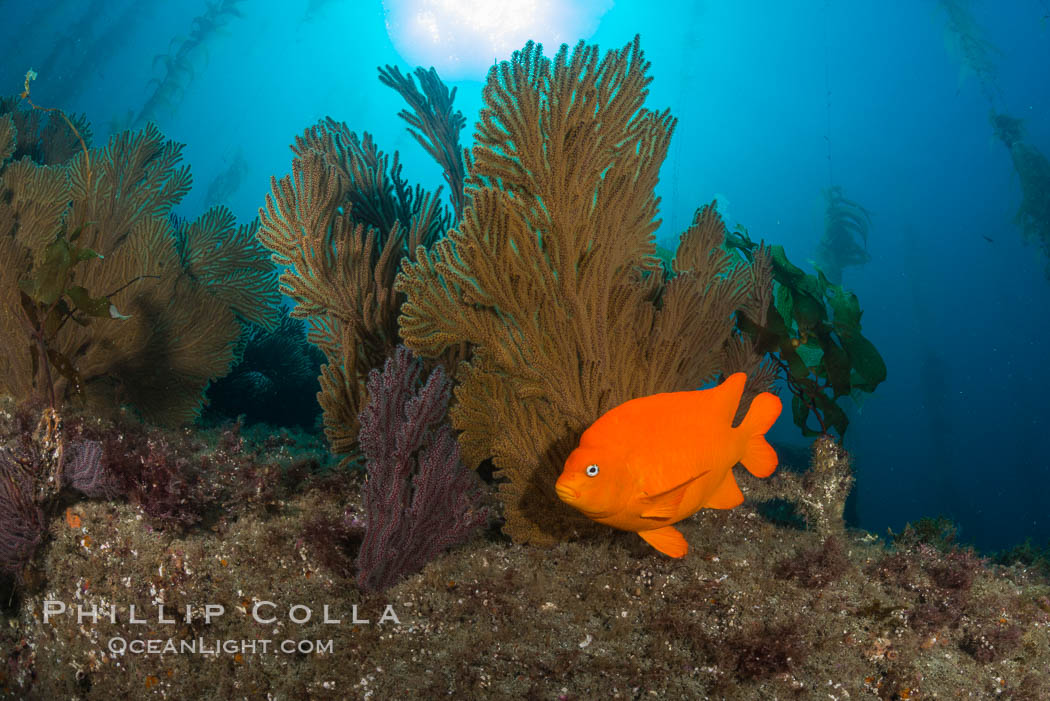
(203, 646)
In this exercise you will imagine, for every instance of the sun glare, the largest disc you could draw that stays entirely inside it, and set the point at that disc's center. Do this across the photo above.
(462, 38)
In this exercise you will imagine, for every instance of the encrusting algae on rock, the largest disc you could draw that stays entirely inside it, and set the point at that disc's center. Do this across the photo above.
(757, 610)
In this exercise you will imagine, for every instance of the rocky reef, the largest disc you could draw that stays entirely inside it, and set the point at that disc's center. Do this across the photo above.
(258, 599)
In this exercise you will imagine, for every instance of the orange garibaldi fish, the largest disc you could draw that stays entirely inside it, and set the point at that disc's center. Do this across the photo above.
(653, 461)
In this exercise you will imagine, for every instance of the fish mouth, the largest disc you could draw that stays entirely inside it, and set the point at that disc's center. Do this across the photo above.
(571, 496)
(566, 493)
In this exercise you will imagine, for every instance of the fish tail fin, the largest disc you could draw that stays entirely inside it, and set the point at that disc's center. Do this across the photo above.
(759, 457)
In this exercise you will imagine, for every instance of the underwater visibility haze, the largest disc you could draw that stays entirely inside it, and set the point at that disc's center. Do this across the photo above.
(584, 349)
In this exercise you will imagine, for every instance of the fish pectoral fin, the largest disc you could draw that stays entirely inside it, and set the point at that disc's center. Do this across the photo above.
(668, 540)
(665, 504)
(667, 508)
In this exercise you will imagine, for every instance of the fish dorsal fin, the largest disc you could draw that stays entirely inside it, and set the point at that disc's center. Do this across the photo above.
(666, 503)
(727, 496)
(727, 397)
(668, 540)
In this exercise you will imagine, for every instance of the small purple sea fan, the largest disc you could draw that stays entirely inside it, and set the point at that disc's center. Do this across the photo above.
(419, 497)
(22, 522)
(83, 470)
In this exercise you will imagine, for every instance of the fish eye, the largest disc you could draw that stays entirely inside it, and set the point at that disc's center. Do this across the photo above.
(592, 470)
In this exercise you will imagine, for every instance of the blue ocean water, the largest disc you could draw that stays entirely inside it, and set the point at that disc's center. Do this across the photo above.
(954, 298)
